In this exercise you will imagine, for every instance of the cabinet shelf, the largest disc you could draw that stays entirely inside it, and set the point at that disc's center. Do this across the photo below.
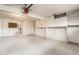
(57, 27)
(51, 27)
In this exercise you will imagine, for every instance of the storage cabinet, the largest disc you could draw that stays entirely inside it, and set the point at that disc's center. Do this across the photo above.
(73, 33)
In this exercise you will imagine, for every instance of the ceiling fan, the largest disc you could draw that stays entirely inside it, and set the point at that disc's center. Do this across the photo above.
(26, 8)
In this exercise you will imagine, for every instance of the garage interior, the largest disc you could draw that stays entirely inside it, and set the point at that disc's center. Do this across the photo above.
(39, 29)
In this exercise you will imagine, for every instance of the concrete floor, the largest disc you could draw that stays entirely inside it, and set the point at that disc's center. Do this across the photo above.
(35, 45)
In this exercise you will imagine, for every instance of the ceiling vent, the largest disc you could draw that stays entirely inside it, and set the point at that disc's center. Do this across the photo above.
(60, 15)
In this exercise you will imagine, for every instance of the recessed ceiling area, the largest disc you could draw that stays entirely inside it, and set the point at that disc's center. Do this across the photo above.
(41, 10)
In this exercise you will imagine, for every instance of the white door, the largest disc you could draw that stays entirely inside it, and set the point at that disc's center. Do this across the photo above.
(73, 33)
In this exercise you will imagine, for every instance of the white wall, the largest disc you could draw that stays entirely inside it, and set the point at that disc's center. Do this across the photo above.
(5, 31)
(25, 24)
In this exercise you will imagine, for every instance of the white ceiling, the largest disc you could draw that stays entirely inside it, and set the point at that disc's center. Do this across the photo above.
(42, 10)
(48, 9)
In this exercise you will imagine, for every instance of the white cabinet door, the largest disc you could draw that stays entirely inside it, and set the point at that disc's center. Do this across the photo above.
(73, 20)
(5, 28)
(40, 23)
(59, 22)
(51, 33)
(73, 33)
(57, 34)
(50, 22)
(40, 32)
(61, 34)
(0, 27)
